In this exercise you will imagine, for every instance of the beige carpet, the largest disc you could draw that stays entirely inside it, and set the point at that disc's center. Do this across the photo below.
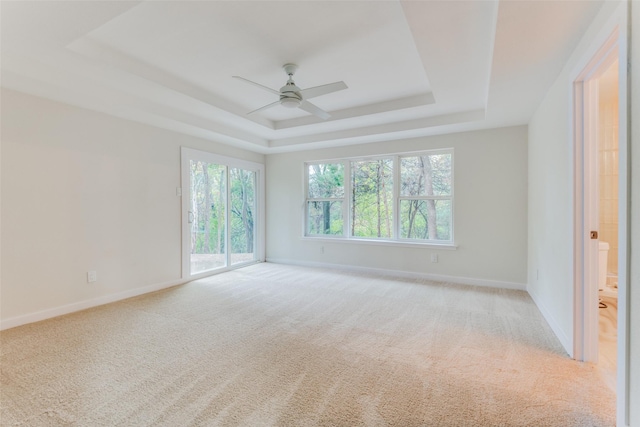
(273, 345)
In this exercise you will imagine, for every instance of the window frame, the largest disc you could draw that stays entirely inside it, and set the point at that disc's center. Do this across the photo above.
(399, 197)
(347, 202)
(307, 199)
(349, 207)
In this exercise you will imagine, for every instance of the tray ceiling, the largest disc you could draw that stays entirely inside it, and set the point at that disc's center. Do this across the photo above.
(412, 68)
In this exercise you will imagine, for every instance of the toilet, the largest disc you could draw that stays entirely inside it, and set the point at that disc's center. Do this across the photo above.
(603, 255)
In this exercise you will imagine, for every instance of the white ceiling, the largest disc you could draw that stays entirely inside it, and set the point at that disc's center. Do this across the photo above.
(413, 68)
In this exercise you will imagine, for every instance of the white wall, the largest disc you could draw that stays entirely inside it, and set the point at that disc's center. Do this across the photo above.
(550, 279)
(551, 202)
(550, 158)
(85, 191)
(490, 216)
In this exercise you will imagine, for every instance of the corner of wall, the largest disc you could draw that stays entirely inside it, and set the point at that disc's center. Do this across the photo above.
(566, 341)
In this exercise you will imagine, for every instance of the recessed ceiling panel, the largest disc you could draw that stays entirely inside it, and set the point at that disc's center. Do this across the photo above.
(455, 40)
(413, 68)
(205, 43)
(533, 41)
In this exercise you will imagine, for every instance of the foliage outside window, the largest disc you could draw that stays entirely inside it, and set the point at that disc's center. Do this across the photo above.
(242, 193)
(208, 212)
(406, 197)
(325, 198)
(372, 198)
(425, 197)
(208, 227)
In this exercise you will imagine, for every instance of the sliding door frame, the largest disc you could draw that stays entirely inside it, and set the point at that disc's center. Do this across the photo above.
(188, 154)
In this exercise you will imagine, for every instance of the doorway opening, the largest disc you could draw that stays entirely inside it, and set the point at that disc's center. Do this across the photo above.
(607, 192)
(222, 211)
(600, 147)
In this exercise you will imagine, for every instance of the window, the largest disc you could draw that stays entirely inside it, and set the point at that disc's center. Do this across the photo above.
(372, 198)
(406, 197)
(207, 215)
(242, 188)
(425, 197)
(325, 199)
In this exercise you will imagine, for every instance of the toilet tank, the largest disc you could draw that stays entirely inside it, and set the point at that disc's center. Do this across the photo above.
(603, 255)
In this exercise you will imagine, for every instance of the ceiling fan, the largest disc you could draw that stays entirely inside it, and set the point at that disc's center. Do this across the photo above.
(291, 96)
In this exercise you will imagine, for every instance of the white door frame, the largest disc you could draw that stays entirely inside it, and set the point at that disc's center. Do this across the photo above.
(586, 193)
(609, 45)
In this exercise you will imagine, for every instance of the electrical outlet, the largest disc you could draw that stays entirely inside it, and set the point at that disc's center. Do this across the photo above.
(434, 257)
(321, 249)
(178, 191)
(92, 276)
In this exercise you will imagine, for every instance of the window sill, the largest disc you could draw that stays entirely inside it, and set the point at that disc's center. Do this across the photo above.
(449, 246)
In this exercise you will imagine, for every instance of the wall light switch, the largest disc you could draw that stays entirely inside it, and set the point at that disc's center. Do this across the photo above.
(92, 276)
(434, 257)
(178, 191)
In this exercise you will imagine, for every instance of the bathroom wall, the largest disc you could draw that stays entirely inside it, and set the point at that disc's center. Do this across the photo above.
(608, 166)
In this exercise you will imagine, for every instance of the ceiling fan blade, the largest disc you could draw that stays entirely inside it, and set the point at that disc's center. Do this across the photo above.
(315, 110)
(322, 90)
(273, 104)
(268, 89)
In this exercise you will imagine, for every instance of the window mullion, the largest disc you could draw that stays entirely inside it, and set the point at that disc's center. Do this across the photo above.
(227, 225)
(305, 206)
(396, 197)
(425, 197)
(346, 204)
(325, 199)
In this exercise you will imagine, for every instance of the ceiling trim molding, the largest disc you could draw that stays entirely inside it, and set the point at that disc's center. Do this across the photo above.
(215, 135)
(360, 111)
(360, 135)
(28, 78)
(122, 62)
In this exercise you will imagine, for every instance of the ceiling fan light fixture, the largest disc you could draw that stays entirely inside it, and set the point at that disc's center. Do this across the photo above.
(290, 102)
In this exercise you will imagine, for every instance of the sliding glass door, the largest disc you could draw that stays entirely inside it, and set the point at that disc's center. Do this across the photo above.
(207, 216)
(222, 226)
(242, 208)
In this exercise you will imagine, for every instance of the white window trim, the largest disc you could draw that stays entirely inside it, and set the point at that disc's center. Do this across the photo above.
(405, 243)
(346, 203)
(306, 199)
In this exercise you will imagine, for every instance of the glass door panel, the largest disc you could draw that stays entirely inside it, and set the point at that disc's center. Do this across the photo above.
(222, 212)
(241, 215)
(207, 216)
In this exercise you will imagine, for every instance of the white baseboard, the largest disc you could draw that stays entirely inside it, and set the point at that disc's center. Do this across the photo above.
(562, 336)
(12, 322)
(106, 299)
(407, 274)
